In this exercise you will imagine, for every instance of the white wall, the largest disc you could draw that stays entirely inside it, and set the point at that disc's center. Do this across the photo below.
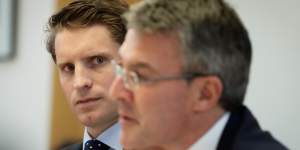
(25, 82)
(274, 93)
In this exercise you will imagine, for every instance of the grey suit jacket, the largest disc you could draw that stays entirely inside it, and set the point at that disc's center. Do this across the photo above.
(76, 146)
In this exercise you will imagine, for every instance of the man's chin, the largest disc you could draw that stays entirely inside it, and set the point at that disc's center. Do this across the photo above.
(87, 119)
(95, 121)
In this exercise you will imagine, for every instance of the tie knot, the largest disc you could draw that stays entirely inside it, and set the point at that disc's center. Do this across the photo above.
(95, 145)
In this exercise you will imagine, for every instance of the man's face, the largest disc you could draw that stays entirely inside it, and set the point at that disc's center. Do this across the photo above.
(83, 59)
(151, 114)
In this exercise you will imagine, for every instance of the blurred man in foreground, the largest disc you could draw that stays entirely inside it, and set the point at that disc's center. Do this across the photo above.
(182, 77)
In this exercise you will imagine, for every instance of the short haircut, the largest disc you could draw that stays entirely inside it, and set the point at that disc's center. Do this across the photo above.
(86, 13)
(213, 39)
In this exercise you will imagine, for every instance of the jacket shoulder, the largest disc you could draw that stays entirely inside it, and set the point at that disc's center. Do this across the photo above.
(243, 132)
(76, 146)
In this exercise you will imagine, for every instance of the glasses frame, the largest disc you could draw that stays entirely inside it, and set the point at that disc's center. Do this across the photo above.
(131, 79)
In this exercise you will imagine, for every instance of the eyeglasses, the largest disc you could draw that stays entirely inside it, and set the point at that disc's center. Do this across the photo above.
(131, 79)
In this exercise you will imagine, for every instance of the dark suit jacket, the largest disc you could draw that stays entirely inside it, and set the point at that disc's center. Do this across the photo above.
(76, 146)
(242, 132)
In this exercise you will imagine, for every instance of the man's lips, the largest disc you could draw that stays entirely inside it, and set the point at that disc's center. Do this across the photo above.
(88, 100)
(126, 118)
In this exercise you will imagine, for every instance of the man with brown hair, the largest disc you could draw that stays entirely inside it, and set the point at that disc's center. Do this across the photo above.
(84, 37)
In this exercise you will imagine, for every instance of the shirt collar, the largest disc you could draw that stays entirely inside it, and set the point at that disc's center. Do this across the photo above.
(211, 138)
(109, 137)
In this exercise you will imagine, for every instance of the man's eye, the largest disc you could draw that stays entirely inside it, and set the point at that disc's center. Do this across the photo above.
(140, 76)
(68, 68)
(98, 60)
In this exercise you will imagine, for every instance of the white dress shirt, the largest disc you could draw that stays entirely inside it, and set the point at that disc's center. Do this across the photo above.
(209, 141)
(109, 137)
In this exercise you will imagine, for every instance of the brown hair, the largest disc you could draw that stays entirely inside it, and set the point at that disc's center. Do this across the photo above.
(85, 13)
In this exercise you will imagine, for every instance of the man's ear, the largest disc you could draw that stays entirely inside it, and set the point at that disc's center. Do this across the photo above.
(207, 92)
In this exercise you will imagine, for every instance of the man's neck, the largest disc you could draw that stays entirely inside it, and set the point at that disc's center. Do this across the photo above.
(110, 136)
(201, 124)
(95, 131)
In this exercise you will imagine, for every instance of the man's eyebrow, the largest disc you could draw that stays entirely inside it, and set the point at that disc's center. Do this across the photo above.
(104, 54)
(62, 62)
(141, 65)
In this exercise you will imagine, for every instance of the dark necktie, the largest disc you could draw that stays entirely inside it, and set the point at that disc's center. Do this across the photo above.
(95, 145)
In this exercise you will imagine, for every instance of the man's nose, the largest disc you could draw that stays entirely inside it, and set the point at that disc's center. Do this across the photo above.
(119, 92)
(82, 80)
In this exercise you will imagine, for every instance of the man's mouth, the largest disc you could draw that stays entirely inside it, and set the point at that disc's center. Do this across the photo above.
(88, 104)
(125, 119)
(88, 100)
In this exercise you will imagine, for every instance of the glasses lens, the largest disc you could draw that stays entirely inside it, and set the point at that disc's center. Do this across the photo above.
(130, 79)
(119, 70)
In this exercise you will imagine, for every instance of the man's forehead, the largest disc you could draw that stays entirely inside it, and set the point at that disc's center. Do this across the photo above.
(149, 50)
(134, 62)
(145, 34)
(136, 39)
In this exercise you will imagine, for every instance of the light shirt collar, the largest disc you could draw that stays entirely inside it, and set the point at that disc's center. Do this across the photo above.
(109, 137)
(211, 138)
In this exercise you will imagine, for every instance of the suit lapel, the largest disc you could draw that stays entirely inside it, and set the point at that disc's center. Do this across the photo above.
(231, 129)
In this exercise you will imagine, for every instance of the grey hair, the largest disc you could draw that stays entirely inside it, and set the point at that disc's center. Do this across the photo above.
(213, 39)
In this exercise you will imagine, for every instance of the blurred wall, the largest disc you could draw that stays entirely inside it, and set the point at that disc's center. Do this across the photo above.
(25, 82)
(273, 93)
